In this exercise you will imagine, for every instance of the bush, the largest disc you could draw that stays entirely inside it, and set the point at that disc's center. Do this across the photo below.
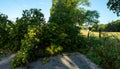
(11, 34)
(104, 52)
(30, 47)
(46, 40)
(31, 18)
(34, 43)
(54, 49)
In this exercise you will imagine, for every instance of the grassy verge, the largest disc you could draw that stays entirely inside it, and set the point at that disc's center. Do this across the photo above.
(104, 51)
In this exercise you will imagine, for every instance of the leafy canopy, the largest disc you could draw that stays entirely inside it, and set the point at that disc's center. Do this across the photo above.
(114, 5)
(72, 12)
(3, 18)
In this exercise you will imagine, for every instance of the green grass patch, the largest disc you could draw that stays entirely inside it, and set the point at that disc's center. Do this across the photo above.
(104, 51)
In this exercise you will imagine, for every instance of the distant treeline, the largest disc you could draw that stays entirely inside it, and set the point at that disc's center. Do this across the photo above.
(113, 26)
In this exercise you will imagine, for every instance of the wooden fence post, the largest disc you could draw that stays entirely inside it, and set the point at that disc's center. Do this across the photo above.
(99, 33)
(89, 29)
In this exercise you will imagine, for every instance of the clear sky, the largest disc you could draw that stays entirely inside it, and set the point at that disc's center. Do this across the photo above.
(13, 8)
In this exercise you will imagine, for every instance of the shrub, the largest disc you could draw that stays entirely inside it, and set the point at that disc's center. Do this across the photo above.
(31, 18)
(34, 46)
(104, 52)
(45, 40)
(30, 48)
(54, 49)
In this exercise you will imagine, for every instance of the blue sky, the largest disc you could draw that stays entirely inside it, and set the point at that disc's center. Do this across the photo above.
(13, 8)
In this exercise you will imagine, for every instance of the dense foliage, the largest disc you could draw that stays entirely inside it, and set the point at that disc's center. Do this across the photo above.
(43, 39)
(104, 51)
(99, 27)
(113, 26)
(69, 17)
(5, 29)
(73, 12)
(27, 35)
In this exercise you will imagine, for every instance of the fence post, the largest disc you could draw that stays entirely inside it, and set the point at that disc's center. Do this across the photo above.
(88, 33)
(99, 33)
(89, 29)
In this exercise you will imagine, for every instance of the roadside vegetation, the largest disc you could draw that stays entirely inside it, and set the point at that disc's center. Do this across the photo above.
(103, 51)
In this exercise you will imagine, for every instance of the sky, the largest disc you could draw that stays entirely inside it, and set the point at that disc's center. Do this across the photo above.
(14, 8)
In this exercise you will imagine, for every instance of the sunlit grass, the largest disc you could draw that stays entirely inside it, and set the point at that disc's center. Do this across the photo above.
(110, 34)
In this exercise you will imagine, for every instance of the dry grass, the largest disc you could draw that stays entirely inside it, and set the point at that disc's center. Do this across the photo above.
(111, 34)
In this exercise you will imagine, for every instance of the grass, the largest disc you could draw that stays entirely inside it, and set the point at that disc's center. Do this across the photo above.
(110, 34)
(104, 51)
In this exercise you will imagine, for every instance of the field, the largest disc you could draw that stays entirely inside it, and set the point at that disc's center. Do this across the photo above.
(103, 34)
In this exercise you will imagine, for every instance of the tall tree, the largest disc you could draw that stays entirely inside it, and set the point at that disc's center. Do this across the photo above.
(72, 12)
(67, 14)
(114, 5)
(66, 11)
(90, 18)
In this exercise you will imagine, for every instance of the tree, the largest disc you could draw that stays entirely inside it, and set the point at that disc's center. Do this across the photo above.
(72, 12)
(66, 11)
(68, 14)
(3, 32)
(3, 18)
(91, 17)
(30, 18)
(5, 26)
(114, 5)
(110, 27)
(113, 26)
